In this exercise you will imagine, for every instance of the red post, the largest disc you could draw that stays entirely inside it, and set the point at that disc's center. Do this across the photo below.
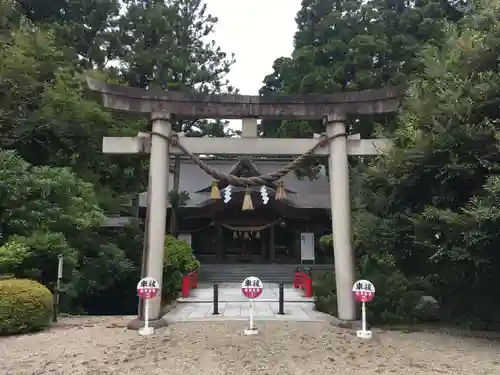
(300, 279)
(195, 280)
(186, 286)
(308, 287)
(296, 279)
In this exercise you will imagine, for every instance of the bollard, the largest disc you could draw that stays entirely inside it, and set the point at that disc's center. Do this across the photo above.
(281, 300)
(216, 300)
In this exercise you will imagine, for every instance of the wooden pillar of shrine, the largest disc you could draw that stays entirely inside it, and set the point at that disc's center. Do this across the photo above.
(219, 241)
(262, 247)
(272, 244)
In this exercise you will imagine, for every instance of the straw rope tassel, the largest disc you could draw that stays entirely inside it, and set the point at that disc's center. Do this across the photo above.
(215, 192)
(281, 193)
(247, 202)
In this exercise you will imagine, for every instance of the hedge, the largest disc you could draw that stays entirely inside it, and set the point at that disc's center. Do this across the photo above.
(25, 306)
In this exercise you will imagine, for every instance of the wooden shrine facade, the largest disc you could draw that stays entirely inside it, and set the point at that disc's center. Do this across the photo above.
(221, 232)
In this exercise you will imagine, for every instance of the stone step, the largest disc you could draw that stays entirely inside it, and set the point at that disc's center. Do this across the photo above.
(237, 278)
(263, 266)
(234, 273)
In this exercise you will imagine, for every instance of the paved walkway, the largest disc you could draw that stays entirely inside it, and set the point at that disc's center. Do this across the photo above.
(232, 293)
(234, 306)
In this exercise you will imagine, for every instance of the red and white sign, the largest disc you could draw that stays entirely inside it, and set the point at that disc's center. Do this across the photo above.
(148, 288)
(252, 287)
(363, 291)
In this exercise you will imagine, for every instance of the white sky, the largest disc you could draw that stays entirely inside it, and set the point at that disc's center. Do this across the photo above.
(257, 32)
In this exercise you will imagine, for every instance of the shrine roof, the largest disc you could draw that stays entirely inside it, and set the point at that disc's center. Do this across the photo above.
(301, 192)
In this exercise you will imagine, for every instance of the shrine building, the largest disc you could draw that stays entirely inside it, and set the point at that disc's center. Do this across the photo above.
(281, 231)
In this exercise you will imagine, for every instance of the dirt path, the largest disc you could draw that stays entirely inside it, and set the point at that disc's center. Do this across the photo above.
(95, 346)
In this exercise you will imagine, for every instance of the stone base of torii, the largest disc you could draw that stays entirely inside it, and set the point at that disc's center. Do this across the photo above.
(249, 108)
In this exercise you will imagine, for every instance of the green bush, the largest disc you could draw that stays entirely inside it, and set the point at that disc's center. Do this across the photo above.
(396, 299)
(179, 260)
(325, 296)
(25, 306)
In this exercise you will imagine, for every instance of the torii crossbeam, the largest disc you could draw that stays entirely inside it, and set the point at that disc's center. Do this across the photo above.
(242, 146)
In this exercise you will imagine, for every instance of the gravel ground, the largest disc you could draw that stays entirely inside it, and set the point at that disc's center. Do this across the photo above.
(79, 346)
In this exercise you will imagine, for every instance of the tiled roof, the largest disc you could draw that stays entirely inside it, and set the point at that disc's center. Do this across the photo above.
(300, 192)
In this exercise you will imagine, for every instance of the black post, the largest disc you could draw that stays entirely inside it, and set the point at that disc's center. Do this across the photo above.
(216, 299)
(57, 288)
(55, 305)
(281, 299)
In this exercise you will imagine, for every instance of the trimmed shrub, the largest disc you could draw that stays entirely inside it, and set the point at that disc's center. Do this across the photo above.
(179, 260)
(25, 306)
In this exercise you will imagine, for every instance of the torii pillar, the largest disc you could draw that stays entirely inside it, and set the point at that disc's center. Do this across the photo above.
(159, 168)
(340, 205)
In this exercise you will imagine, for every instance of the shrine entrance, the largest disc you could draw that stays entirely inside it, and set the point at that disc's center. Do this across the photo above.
(220, 232)
(261, 236)
(271, 243)
(336, 143)
(244, 245)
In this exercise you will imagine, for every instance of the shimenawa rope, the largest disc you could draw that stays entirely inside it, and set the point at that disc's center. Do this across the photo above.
(247, 181)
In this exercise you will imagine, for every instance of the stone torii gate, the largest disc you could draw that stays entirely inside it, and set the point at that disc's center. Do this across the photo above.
(332, 109)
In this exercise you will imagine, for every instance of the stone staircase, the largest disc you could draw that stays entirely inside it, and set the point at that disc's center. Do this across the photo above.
(236, 273)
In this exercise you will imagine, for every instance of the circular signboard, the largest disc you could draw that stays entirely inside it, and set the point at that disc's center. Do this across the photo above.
(148, 288)
(363, 290)
(252, 287)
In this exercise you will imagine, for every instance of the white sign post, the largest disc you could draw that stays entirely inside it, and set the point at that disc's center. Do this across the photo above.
(147, 288)
(363, 291)
(55, 311)
(251, 288)
(307, 247)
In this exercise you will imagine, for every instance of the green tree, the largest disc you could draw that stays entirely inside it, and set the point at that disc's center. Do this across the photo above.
(351, 45)
(45, 114)
(49, 117)
(82, 28)
(432, 202)
(46, 117)
(165, 45)
(46, 212)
